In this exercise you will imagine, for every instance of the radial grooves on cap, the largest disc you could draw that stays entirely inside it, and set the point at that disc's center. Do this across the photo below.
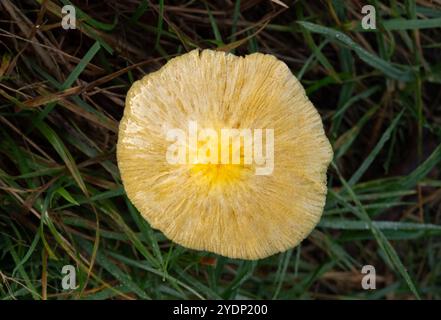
(249, 216)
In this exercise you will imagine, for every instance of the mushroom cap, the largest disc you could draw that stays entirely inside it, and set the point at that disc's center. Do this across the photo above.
(224, 208)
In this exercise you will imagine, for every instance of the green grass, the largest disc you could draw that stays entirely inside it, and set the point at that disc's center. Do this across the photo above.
(61, 197)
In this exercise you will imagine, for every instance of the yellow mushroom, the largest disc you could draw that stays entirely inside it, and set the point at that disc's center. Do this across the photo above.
(241, 205)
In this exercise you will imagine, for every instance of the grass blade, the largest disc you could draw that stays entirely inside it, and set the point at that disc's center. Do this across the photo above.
(402, 74)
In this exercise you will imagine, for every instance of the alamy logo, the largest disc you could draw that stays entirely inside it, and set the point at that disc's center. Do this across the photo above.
(224, 146)
(69, 281)
(368, 281)
(69, 19)
(368, 20)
